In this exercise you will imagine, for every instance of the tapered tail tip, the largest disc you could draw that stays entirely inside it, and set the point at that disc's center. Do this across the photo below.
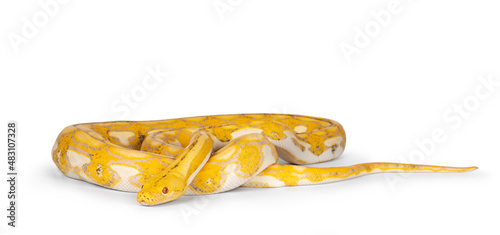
(472, 168)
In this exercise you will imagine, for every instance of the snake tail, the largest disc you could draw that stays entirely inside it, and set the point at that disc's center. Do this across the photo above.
(292, 175)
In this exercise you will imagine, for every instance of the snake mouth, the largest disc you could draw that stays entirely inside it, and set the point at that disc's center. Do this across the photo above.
(144, 203)
(147, 202)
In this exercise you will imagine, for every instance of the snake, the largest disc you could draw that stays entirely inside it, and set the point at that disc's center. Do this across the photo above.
(163, 160)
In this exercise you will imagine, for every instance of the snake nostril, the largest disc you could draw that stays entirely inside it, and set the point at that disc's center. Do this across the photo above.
(144, 201)
(141, 198)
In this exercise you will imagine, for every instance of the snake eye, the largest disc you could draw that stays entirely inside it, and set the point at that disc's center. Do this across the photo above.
(164, 190)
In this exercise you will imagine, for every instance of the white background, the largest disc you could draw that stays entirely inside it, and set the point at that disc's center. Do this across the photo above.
(404, 83)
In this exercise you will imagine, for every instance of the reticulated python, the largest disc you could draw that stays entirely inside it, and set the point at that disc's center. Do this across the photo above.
(163, 160)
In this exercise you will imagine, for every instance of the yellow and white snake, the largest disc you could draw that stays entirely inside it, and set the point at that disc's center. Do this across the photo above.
(163, 160)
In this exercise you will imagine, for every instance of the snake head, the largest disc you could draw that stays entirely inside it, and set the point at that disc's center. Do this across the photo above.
(161, 190)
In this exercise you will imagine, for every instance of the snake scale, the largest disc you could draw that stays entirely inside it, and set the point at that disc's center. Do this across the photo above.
(163, 160)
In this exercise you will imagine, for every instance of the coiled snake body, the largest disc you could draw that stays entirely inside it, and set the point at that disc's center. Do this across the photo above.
(163, 160)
